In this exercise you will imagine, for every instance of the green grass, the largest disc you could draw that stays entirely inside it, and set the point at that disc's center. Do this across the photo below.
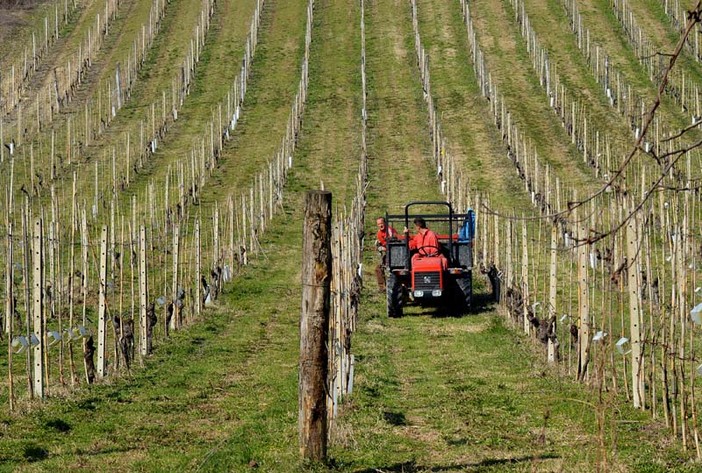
(330, 144)
(474, 141)
(197, 393)
(219, 64)
(272, 87)
(398, 135)
(431, 393)
(510, 67)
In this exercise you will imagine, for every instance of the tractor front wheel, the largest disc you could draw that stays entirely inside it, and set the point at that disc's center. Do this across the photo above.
(394, 296)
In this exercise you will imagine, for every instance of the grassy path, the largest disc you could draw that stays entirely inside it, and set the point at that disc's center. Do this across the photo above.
(219, 64)
(472, 137)
(552, 27)
(271, 90)
(330, 144)
(398, 141)
(511, 70)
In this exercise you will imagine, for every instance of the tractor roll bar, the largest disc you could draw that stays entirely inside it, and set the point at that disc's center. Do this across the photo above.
(428, 217)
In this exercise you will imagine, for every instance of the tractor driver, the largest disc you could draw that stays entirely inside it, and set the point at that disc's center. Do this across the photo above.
(425, 242)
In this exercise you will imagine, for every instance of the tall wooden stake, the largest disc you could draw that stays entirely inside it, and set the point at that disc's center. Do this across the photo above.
(314, 325)
(198, 262)
(102, 306)
(144, 339)
(552, 291)
(637, 378)
(38, 310)
(9, 317)
(175, 320)
(584, 307)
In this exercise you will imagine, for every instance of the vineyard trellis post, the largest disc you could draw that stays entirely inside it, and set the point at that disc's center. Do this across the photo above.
(38, 309)
(198, 258)
(9, 315)
(176, 320)
(637, 376)
(144, 323)
(102, 306)
(553, 281)
(27, 295)
(525, 279)
(314, 325)
(583, 305)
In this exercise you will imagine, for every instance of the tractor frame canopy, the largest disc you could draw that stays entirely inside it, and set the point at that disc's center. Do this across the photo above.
(445, 277)
(454, 231)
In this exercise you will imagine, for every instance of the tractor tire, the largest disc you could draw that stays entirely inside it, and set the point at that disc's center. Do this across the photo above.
(394, 296)
(464, 295)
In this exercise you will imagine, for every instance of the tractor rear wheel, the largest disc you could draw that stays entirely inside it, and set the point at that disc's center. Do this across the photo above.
(394, 296)
(464, 296)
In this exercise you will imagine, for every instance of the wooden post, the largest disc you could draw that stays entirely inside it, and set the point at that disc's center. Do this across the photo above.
(525, 279)
(9, 306)
(71, 283)
(552, 291)
(102, 308)
(38, 310)
(27, 293)
(215, 231)
(314, 325)
(144, 343)
(9, 317)
(637, 378)
(198, 263)
(584, 306)
(175, 318)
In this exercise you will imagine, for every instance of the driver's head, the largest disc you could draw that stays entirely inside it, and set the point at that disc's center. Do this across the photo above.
(420, 222)
(380, 222)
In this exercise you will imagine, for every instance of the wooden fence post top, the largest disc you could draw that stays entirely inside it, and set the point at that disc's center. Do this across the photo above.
(318, 195)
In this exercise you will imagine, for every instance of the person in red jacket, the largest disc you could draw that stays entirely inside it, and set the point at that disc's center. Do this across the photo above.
(385, 233)
(425, 242)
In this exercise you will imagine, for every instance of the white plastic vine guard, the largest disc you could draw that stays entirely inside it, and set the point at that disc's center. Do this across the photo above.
(20, 344)
(53, 337)
(696, 314)
(599, 336)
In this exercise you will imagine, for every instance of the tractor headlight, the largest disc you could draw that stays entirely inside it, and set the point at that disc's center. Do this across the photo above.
(418, 293)
(436, 293)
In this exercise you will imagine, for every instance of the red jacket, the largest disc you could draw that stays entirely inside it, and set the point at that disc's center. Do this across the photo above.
(383, 235)
(426, 242)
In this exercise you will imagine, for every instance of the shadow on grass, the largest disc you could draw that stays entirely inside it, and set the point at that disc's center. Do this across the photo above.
(411, 466)
(35, 453)
(395, 418)
(482, 302)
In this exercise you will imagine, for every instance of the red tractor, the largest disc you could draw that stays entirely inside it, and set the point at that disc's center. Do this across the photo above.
(442, 279)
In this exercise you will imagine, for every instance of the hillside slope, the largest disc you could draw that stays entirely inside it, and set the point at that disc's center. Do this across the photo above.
(431, 393)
